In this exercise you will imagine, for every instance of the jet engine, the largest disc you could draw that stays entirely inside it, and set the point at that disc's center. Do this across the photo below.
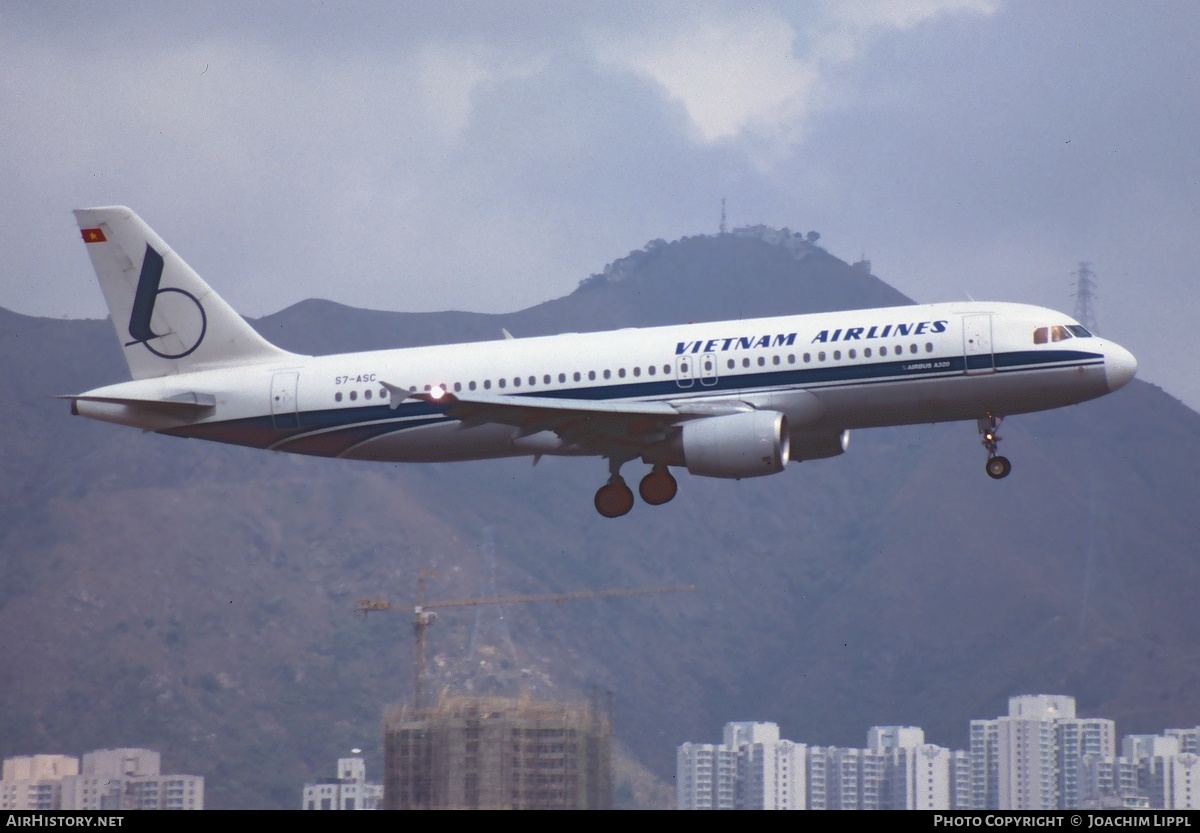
(806, 446)
(748, 444)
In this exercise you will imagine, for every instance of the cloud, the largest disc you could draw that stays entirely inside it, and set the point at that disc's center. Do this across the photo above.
(760, 75)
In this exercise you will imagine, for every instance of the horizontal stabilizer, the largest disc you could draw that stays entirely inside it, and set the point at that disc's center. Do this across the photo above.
(182, 404)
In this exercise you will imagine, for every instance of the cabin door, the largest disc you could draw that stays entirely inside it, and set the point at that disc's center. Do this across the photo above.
(977, 344)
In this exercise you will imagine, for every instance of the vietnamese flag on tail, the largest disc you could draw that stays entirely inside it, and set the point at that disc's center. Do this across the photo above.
(93, 235)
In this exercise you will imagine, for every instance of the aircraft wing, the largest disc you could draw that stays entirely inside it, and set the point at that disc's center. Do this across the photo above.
(602, 427)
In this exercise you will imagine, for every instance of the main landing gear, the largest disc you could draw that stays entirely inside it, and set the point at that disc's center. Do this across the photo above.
(658, 486)
(615, 499)
(997, 466)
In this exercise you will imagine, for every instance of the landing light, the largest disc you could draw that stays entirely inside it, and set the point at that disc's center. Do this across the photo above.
(437, 392)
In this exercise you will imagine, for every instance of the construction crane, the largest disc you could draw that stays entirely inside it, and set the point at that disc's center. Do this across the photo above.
(423, 611)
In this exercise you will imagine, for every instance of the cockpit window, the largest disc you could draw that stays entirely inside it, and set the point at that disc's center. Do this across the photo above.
(1057, 333)
(1079, 331)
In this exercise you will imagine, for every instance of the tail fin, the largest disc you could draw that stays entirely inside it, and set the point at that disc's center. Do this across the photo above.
(167, 318)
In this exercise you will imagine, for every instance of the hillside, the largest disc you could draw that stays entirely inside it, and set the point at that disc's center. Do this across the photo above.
(198, 599)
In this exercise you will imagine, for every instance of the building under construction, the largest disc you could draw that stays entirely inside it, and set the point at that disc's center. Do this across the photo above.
(497, 753)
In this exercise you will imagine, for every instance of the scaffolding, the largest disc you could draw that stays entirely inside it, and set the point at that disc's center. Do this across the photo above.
(497, 753)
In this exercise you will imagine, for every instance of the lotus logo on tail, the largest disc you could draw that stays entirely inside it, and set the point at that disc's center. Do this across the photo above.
(188, 324)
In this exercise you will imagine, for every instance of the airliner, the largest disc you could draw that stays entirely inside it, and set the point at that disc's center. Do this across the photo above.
(726, 399)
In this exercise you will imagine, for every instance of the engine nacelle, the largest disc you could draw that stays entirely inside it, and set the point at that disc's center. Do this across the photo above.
(806, 446)
(749, 444)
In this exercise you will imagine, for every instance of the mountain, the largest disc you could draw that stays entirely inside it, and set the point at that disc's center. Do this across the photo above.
(197, 598)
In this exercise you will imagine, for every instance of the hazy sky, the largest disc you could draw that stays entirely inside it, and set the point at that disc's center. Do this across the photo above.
(488, 156)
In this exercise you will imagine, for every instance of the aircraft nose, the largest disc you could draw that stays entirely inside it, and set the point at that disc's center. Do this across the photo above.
(1119, 366)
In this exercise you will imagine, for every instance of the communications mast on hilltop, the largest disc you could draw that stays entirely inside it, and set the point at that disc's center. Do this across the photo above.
(1085, 294)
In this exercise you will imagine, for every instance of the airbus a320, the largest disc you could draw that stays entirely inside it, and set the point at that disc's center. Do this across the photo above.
(727, 399)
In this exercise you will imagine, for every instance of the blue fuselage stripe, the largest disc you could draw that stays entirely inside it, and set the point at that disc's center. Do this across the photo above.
(370, 421)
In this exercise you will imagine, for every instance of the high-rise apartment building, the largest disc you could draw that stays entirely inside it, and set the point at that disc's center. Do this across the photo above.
(1078, 738)
(497, 753)
(751, 769)
(706, 777)
(1189, 739)
(109, 779)
(1014, 759)
(34, 782)
(916, 774)
(350, 790)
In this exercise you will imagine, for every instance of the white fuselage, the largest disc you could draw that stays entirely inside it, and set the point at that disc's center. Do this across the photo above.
(826, 372)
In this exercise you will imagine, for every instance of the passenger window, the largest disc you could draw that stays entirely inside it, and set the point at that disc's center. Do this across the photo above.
(457, 387)
(637, 371)
(899, 351)
(428, 388)
(383, 394)
(562, 377)
(912, 348)
(929, 347)
(708, 366)
(791, 358)
(366, 394)
(533, 380)
(621, 373)
(470, 386)
(577, 377)
(807, 358)
(337, 397)
(883, 351)
(591, 375)
(502, 382)
(652, 369)
(729, 364)
(353, 395)
(608, 374)
(546, 379)
(667, 369)
(775, 360)
(867, 353)
(853, 354)
(683, 368)
(516, 381)
(761, 361)
(745, 362)
(487, 384)
(821, 356)
(1040, 335)
(837, 354)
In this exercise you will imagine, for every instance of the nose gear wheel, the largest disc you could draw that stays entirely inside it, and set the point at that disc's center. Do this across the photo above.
(997, 467)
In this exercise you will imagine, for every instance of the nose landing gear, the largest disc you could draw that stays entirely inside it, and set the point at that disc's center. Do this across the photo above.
(997, 467)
